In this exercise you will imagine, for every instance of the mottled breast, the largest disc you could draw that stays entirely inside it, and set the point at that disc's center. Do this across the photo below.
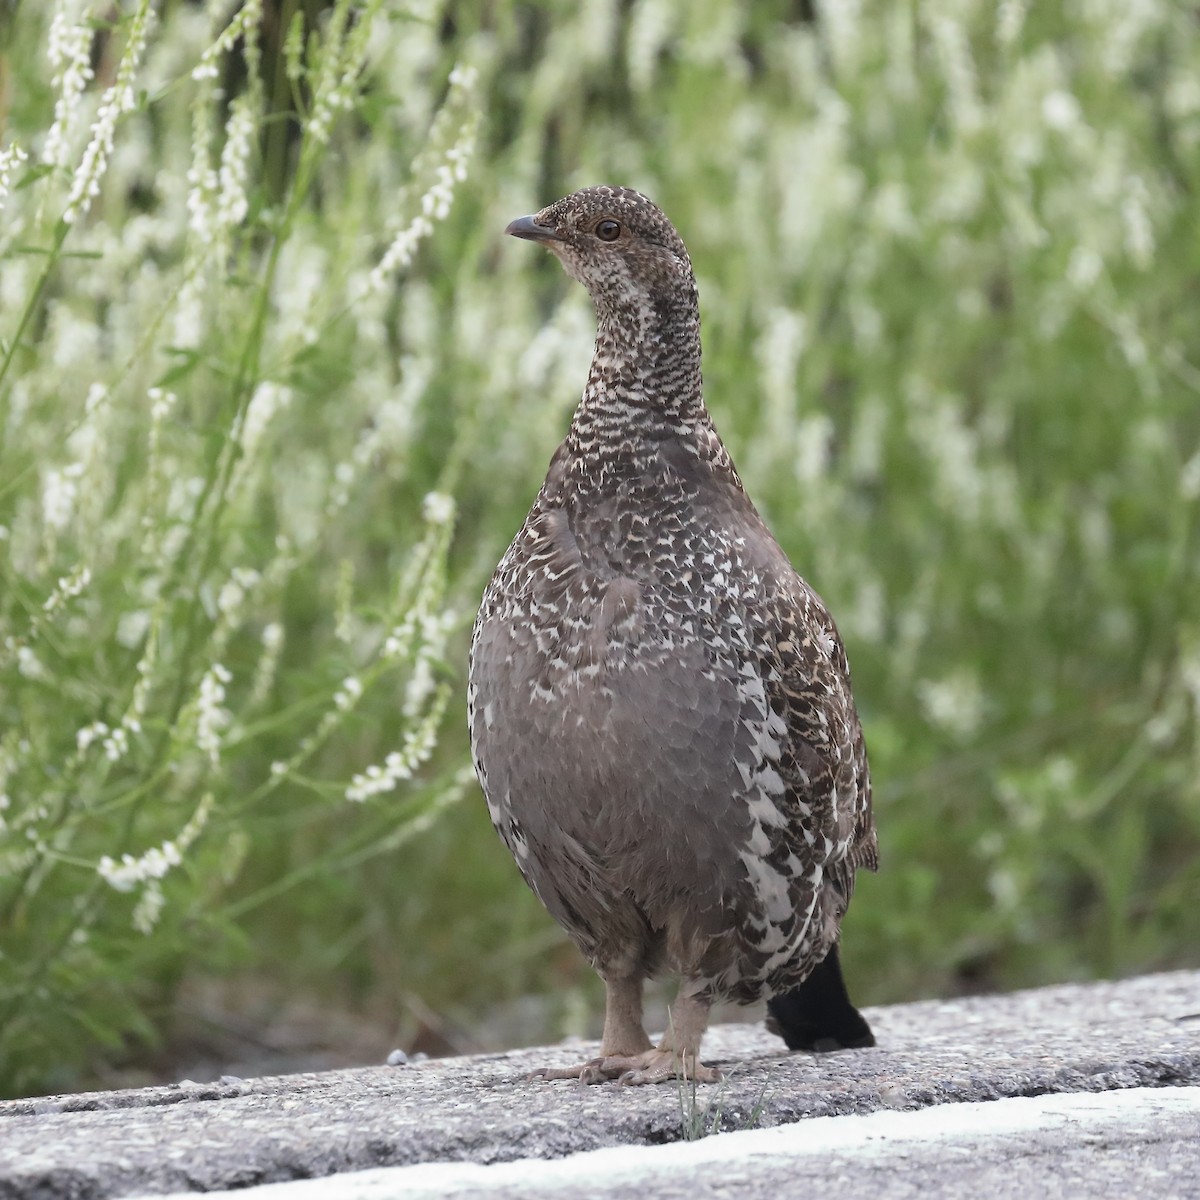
(660, 710)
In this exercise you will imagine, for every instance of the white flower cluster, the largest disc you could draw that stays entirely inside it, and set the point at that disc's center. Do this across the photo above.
(202, 181)
(418, 745)
(421, 628)
(1010, 20)
(1139, 230)
(293, 49)
(438, 508)
(161, 403)
(434, 629)
(336, 99)
(955, 703)
(400, 253)
(347, 696)
(11, 157)
(233, 592)
(652, 23)
(1124, 24)
(188, 323)
(843, 19)
(117, 100)
(398, 642)
(217, 194)
(60, 485)
(69, 49)
(1061, 111)
(67, 588)
(341, 63)
(116, 745)
(115, 741)
(268, 663)
(232, 202)
(211, 715)
(436, 200)
(813, 448)
(28, 663)
(144, 626)
(59, 491)
(387, 434)
(149, 869)
(344, 475)
(244, 21)
(149, 907)
(269, 399)
(435, 203)
(125, 875)
(463, 77)
(779, 350)
(958, 69)
(88, 734)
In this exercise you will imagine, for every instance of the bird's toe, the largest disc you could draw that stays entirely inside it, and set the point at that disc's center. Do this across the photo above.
(653, 1066)
(659, 1066)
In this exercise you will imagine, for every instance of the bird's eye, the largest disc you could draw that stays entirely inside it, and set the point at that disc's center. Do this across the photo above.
(608, 231)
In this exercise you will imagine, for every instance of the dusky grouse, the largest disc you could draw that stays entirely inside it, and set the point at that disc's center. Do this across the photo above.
(659, 705)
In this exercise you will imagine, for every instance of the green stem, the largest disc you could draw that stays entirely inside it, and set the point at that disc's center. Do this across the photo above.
(31, 306)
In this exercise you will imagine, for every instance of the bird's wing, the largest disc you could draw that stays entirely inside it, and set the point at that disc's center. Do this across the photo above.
(823, 760)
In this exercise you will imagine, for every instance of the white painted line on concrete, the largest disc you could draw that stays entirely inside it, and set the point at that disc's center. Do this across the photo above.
(1072, 1119)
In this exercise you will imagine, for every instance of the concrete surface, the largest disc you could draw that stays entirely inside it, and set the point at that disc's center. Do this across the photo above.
(1142, 1142)
(1142, 1033)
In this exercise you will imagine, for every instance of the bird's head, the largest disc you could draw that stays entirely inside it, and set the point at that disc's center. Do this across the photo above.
(618, 244)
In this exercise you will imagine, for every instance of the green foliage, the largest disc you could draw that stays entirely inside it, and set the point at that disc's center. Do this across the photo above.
(253, 315)
(224, 597)
(698, 1120)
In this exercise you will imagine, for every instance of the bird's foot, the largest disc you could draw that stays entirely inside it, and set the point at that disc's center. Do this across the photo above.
(651, 1066)
(657, 1066)
(595, 1070)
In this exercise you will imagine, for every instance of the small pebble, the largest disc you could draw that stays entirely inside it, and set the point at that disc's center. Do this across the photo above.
(397, 1058)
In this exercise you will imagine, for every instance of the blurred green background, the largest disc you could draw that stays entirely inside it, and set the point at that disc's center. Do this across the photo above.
(252, 315)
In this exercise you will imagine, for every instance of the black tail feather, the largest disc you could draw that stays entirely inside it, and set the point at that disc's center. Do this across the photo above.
(817, 1015)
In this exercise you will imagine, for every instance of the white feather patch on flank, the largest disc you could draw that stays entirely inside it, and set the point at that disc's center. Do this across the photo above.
(759, 844)
(770, 887)
(765, 812)
(771, 781)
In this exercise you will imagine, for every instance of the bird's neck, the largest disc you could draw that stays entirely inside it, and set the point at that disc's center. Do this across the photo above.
(645, 383)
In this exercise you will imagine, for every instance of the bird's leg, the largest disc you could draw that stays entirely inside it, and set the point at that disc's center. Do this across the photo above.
(626, 1053)
(624, 1038)
(677, 1056)
(624, 1034)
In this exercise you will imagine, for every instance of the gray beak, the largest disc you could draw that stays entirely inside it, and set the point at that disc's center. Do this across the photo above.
(528, 228)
